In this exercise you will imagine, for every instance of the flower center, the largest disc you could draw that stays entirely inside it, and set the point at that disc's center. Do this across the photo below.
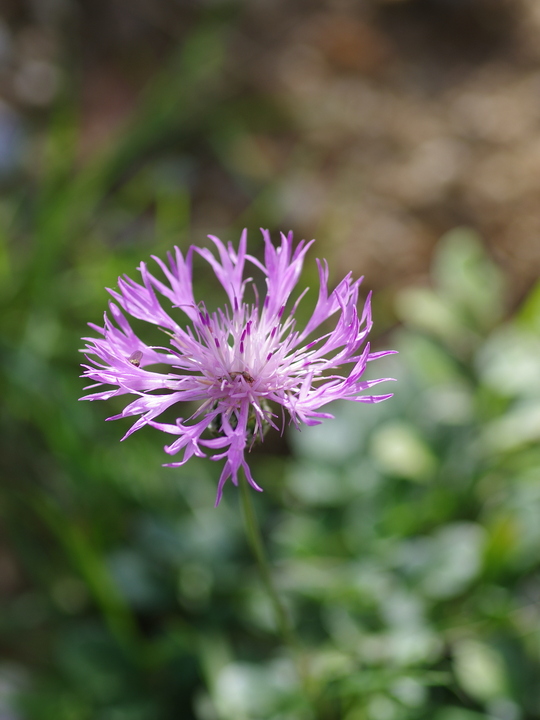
(235, 374)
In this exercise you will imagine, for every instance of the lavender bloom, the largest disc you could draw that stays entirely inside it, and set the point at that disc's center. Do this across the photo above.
(238, 363)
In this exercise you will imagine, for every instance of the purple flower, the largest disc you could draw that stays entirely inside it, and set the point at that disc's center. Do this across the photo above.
(238, 364)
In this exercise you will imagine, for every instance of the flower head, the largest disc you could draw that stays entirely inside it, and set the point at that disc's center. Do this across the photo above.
(238, 364)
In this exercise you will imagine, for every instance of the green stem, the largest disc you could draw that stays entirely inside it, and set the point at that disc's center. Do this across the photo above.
(255, 540)
(283, 621)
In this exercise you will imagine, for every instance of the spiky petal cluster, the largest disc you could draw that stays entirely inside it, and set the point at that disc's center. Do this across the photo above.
(237, 364)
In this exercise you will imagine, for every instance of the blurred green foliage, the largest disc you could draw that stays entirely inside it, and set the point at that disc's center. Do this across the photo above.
(405, 536)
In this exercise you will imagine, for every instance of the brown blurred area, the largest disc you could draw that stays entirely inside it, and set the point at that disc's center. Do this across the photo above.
(402, 118)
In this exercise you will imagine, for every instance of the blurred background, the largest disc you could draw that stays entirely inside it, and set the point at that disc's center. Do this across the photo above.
(405, 136)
